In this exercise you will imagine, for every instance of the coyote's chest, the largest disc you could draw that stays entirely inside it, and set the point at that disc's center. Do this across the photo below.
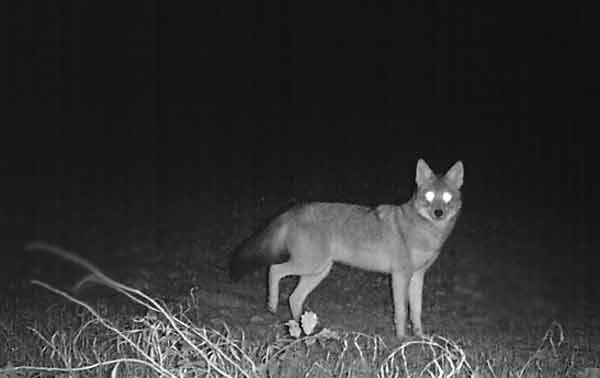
(422, 258)
(424, 247)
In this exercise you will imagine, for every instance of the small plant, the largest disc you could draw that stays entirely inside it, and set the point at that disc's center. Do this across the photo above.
(307, 324)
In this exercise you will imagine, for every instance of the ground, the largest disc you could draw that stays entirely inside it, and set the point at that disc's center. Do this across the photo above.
(498, 285)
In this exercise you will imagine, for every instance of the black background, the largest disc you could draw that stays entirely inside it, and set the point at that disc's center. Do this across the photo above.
(309, 100)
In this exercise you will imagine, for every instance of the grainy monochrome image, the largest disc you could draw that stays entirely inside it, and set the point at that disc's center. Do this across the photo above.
(268, 189)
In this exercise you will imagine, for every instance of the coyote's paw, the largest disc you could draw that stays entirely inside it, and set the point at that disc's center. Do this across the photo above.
(420, 334)
(272, 309)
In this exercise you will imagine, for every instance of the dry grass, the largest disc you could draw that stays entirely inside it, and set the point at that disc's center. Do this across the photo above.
(165, 342)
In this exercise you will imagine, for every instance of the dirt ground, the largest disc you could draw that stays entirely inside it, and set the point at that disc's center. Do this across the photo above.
(496, 285)
(496, 288)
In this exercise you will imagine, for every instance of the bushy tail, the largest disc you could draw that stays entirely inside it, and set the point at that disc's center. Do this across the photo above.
(265, 248)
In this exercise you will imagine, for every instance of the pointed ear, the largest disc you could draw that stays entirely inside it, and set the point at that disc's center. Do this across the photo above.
(424, 173)
(455, 174)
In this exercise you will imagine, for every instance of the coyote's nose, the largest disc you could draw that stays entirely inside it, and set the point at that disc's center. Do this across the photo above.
(438, 213)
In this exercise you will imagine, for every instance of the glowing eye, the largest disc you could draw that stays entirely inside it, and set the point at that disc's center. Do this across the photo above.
(429, 196)
(446, 197)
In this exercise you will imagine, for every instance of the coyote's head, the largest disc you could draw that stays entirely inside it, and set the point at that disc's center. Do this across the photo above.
(438, 198)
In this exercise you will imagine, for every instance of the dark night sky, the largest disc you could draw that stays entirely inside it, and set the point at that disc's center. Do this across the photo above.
(277, 60)
(276, 93)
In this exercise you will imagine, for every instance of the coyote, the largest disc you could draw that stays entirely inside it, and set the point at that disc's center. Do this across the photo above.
(401, 240)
